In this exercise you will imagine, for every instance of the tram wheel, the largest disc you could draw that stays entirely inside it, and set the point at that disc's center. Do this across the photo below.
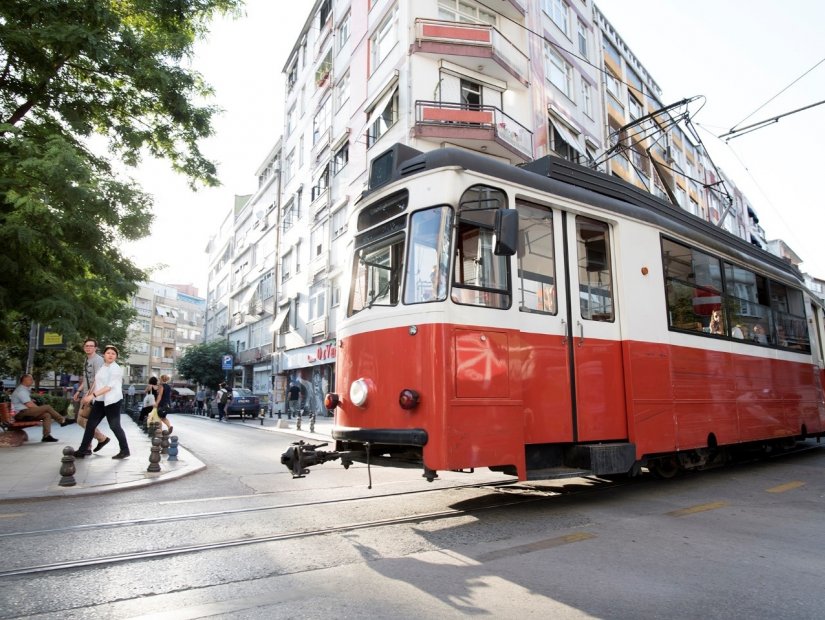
(665, 468)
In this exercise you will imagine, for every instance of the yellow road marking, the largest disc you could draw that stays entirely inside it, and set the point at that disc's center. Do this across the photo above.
(698, 508)
(537, 546)
(13, 515)
(788, 486)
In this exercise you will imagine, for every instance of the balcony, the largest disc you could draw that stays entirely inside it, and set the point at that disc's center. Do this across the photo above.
(479, 47)
(483, 128)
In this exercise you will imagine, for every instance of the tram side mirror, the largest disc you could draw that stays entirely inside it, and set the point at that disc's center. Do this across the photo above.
(505, 240)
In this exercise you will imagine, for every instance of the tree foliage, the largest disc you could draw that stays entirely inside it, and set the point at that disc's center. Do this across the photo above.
(85, 87)
(201, 363)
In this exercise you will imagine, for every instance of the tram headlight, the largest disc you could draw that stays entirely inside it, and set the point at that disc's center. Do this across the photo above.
(408, 399)
(358, 392)
(331, 401)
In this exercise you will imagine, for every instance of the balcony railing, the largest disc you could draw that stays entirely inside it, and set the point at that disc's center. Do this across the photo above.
(452, 116)
(500, 48)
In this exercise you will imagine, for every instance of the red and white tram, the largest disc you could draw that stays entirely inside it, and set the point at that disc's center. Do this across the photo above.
(550, 320)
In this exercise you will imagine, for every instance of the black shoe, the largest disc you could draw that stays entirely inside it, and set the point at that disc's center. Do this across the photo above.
(81, 455)
(100, 444)
(67, 421)
(48, 438)
(120, 455)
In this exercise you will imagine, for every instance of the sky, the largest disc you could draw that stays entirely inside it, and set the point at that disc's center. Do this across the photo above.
(737, 55)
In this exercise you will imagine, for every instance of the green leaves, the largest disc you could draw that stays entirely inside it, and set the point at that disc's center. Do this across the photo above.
(79, 78)
(201, 363)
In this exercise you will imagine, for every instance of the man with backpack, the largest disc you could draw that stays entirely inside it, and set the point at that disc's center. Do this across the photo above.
(222, 397)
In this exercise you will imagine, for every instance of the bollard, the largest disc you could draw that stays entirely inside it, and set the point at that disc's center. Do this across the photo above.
(67, 468)
(243, 414)
(173, 448)
(298, 420)
(263, 415)
(312, 422)
(154, 456)
(164, 442)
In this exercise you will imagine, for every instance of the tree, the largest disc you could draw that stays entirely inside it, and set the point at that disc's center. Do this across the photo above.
(201, 363)
(85, 84)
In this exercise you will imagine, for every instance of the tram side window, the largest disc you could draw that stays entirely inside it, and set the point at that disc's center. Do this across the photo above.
(595, 271)
(694, 289)
(480, 277)
(428, 256)
(747, 305)
(377, 274)
(788, 307)
(536, 286)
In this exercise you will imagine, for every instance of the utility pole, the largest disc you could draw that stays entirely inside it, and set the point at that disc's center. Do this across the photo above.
(33, 333)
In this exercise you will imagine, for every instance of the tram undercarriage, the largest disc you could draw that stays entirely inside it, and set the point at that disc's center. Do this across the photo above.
(548, 461)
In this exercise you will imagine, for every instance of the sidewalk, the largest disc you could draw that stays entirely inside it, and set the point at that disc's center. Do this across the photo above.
(33, 470)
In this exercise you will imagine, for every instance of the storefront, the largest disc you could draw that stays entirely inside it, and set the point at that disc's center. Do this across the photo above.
(312, 368)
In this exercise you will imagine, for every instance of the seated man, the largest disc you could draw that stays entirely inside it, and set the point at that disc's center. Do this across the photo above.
(26, 409)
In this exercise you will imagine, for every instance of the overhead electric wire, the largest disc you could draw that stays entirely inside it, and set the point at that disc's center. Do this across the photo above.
(733, 129)
(735, 133)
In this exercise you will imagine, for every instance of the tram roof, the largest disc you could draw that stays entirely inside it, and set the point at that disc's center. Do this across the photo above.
(564, 178)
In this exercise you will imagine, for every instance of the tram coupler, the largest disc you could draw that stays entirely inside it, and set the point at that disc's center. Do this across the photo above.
(300, 456)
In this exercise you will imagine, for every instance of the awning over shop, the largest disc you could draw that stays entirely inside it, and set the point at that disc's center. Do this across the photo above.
(568, 136)
(279, 321)
(183, 391)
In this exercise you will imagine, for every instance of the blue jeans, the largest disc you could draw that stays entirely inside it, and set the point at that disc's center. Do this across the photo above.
(112, 415)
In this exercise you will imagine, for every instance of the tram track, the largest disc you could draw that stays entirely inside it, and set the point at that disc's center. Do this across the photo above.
(155, 554)
(512, 492)
(195, 516)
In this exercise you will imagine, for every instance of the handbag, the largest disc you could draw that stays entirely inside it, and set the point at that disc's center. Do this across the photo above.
(153, 417)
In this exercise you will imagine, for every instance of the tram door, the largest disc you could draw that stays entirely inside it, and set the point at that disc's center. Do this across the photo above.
(595, 339)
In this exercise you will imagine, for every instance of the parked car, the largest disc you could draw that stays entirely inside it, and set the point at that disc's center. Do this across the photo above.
(243, 401)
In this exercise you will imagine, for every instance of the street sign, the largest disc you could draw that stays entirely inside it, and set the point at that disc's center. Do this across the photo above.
(226, 362)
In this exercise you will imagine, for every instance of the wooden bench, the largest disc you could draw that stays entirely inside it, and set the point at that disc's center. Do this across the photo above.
(13, 433)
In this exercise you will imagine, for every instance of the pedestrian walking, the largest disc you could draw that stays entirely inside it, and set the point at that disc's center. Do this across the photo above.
(222, 397)
(149, 399)
(165, 401)
(91, 365)
(200, 396)
(106, 397)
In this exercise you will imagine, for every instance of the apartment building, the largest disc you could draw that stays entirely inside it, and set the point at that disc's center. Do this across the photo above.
(240, 304)
(513, 79)
(169, 319)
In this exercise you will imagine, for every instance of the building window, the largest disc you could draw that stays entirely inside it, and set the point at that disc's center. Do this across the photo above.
(316, 241)
(587, 98)
(265, 287)
(470, 95)
(286, 264)
(385, 119)
(323, 70)
(581, 31)
(320, 124)
(324, 13)
(342, 90)
(289, 165)
(289, 216)
(634, 108)
(383, 39)
(465, 11)
(343, 32)
(557, 10)
(614, 87)
(339, 222)
(334, 293)
(556, 70)
(340, 158)
(317, 300)
(290, 120)
(322, 184)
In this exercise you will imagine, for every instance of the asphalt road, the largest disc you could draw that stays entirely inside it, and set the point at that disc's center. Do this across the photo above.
(242, 539)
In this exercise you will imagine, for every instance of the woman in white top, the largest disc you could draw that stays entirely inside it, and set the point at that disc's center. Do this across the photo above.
(106, 396)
